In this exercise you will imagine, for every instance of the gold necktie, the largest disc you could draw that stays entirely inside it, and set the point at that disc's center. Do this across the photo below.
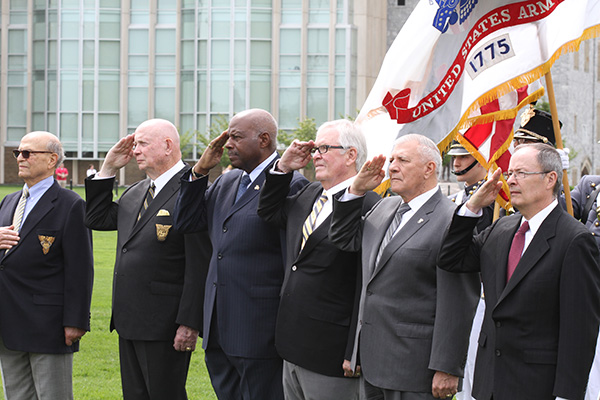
(20, 210)
(309, 223)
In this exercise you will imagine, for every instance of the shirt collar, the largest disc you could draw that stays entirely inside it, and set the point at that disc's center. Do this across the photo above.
(421, 199)
(40, 188)
(338, 188)
(536, 221)
(162, 180)
(259, 169)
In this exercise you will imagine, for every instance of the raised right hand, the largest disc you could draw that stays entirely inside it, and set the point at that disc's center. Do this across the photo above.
(369, 177)
(297, 156)
(117, 157)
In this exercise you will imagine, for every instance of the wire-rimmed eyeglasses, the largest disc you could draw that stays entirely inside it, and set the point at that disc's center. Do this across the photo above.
(522, 174)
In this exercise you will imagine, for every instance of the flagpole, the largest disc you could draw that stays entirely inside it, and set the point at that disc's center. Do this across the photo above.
(558, 137)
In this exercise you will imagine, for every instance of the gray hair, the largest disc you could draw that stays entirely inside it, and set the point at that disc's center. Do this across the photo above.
(56, 147)
(549, 160)
(350, 136)
(428, 149)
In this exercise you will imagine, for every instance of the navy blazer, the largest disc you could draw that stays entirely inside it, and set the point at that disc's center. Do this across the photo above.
(159, 273)
(41, 292)
(319, 298)
(246, 268)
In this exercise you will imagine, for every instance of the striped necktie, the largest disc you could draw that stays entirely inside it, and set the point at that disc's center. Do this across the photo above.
(147, 200)
(389, 234)
(309, 223)
(20, 210)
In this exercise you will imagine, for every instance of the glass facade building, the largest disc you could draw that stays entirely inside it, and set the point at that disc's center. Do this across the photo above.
(90, 71)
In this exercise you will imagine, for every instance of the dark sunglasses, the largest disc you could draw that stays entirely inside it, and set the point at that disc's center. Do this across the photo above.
(27, 153)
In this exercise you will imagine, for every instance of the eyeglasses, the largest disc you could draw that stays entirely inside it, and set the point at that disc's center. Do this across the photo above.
(324, 148)
(27, 153)
(522, 174)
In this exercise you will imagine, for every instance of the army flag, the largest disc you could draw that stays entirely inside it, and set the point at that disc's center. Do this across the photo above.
(453, 57)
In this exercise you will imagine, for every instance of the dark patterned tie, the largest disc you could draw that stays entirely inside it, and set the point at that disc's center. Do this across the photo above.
(20, 210)
(389, 234)
(243, 186)
(516, 250)
(147, 200)
(311, 220)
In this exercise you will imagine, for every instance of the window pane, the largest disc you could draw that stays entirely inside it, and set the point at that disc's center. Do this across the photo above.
(140, 18)
(69, 91)
(164, 103)
(220, 54)
(260, 24)
(17, 41)
(219, 99)
(138, 41)
(108, 124)
(88, 91)
(221, 23)
(187, 92)
(287, 79)
(38, 122)
(289, 63)
(187, 54)
(88, 53)
(202, 54)
(240, 24)
(166, 17)
(137, 110)
(39, 25)
(239, 54)
(316, 104)
(137, 63)
(260, 55)
(68, 127)
(290, 41)
(202, 91)
(203, 25)
(87, 129)
(39, 92)
(317, 79)
(239, 91)
(69, 25)
(188, 29)
(52, 54)
(69, 54)
(317, 62)
(165, 41)
(89, 24)
(110, 24)
(164, 79)
(17, 62)
(165, 63)
(109, 54)
(108, 92)
(318, 41)
(16, 114)
(289, 107)
(138, 79)
(260, 90)
(52, 91)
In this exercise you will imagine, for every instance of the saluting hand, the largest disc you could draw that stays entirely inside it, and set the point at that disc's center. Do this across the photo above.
(212, 154)
(369, 177)
(487, 193)
(117, 157)
(296, 156)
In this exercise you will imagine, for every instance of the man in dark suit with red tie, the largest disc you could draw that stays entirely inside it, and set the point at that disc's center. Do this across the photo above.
(46, 275)
(319, 299)
(159, 273)
(541, 276)
(246, 268)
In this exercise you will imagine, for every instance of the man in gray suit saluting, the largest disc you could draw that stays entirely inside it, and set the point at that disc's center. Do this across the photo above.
(414, 319)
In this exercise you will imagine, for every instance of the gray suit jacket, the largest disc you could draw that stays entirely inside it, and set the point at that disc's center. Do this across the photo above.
(414, 318)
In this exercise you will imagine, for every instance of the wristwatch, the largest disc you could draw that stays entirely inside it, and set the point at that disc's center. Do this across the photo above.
(196, 175)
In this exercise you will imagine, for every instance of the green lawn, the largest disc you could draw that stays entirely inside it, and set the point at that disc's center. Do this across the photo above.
(96, 366)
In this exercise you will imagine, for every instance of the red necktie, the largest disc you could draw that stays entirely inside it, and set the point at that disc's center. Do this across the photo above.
(516, 249)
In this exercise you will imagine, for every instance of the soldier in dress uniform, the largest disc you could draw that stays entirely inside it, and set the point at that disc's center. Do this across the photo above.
(472, 175)
(536, 127)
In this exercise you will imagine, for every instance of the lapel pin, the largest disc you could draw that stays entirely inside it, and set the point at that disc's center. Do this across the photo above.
(420, 220)
(256, 187)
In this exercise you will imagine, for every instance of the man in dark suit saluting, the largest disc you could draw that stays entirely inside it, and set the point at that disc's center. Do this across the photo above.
(319, 298)
(46, 275)
(541, 279)
(414, 319)
(246, 268)
(159, 272)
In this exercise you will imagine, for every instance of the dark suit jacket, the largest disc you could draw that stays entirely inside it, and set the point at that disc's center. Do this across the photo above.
(579, 196)
(416, 319)
(246, 268)
(157, 284)
(41, 293)
(319, 297)
(539, 331)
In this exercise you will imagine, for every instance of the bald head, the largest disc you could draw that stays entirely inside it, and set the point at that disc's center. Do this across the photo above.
(46, 154)
(260, 121)
(156, 147)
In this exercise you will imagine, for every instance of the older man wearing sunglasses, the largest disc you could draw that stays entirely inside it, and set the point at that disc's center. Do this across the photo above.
(46, 274)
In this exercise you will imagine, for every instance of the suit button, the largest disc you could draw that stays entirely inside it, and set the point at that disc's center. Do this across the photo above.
(219, 256)
(224, 229)
(124, 250)
(1, 267)
(498, 324)
(294, 268)
(498, 353)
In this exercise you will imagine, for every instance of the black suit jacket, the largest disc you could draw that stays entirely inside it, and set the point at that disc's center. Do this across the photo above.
(41, 293)
(246, 268)
(158, 282)
(319, 297)
(539, 330)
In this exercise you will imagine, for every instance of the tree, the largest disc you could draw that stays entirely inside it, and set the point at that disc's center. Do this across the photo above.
(202, 140)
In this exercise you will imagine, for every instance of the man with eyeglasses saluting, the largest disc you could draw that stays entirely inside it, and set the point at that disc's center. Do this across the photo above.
(46, 275)
(318, 309)
(541, 276)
